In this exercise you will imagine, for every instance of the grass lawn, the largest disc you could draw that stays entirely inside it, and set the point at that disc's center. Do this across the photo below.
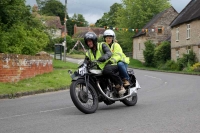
(58, 79)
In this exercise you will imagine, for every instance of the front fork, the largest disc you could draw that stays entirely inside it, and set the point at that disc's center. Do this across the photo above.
(86, 77)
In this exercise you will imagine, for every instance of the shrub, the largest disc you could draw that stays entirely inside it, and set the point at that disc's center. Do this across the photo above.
(20, 40)
(169, 65)
(196, 67)
(149, 53)
(187, 60)
(162, 53)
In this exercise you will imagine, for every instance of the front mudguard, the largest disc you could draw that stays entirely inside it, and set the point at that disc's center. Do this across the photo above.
(77, 77)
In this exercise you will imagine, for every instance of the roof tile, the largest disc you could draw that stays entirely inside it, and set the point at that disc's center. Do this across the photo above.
(189, 13)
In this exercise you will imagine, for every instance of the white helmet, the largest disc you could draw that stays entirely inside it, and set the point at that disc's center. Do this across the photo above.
(110, 33)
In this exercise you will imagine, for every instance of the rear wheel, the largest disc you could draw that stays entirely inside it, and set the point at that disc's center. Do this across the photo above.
(85, 101)
(130, 101)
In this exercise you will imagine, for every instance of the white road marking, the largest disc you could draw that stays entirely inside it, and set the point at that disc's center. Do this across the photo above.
(45, 111)
(153, 77)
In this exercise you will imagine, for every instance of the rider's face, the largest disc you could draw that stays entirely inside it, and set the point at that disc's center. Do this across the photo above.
(109, 39)
(90, 43)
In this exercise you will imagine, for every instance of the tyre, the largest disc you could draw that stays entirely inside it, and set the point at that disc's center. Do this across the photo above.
(130, 101)
(86, 102)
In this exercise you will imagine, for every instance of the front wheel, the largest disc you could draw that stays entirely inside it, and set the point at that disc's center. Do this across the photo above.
(85, 101)
(130, 101)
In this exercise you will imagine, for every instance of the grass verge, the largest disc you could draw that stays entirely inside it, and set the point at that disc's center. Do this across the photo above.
(56, 80)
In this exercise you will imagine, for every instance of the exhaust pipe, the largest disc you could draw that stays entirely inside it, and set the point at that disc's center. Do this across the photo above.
(132, 92)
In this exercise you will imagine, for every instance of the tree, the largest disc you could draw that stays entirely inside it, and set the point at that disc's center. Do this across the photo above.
(109, 19)
(56, 8)
(53, 8)
(134, 14)
(77, 19)
(40, 3)
(13, 12)
(20, 32)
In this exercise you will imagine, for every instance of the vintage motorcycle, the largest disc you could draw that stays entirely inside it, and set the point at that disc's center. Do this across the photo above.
(89, 87)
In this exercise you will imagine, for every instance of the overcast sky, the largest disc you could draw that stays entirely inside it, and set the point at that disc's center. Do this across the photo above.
(92, 10)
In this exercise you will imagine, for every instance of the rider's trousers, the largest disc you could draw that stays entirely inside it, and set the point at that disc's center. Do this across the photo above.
(111, 72)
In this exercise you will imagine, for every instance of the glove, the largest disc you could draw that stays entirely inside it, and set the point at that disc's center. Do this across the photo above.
(101, 59)
(109, 62)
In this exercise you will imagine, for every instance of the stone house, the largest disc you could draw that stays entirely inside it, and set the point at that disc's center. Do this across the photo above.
(156, 30)
(79, 32)
(185, 30)
(53, 23)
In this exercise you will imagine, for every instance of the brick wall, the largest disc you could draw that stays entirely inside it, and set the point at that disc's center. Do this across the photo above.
(14, 67)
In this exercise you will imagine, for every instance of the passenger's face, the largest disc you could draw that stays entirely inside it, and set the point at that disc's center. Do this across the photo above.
(90, 43)
(109, 40)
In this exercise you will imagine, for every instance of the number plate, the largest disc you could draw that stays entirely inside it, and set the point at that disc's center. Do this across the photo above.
(82, 70)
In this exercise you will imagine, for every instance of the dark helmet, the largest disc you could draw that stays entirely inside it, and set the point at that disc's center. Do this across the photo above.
(90, 36)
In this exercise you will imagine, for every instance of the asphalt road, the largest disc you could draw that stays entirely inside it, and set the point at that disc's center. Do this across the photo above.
(168, 103)
(78, 61)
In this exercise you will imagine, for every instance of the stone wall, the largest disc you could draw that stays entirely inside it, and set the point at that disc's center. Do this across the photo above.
(15, 67)
(139, 48)
(164, 22)
(182, 44)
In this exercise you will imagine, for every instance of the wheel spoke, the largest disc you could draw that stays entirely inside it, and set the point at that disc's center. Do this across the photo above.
(89, 103)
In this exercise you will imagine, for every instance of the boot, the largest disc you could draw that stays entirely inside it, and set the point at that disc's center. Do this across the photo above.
(121, 90)
(126, 82)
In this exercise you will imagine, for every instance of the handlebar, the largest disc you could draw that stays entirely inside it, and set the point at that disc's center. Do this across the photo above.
(90, 64)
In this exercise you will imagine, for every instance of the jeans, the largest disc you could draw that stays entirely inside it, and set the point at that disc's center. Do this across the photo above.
(123, 70)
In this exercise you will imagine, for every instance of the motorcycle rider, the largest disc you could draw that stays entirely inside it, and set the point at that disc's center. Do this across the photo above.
(102, 53)
(117, 55)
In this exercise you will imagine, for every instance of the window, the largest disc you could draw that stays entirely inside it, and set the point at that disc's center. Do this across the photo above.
(188, 31)
(160, 31)
(177, 34)
(188, 49)
(177, 54)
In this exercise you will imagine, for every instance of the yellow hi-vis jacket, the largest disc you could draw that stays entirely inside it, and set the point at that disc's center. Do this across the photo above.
(99, 53)
(117, 54)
